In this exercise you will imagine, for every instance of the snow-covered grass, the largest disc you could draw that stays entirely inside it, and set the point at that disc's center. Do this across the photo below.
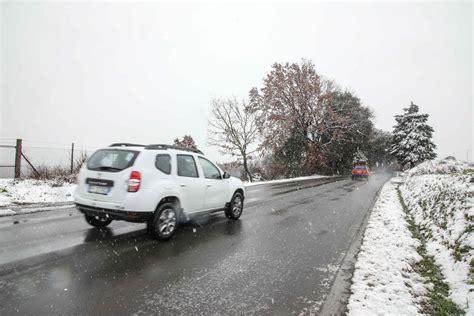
(439, 195)
(19, 192)
(384, 280)
(418, 249)
(249, 184)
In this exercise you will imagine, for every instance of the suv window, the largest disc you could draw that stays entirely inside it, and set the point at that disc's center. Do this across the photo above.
(163, 163)
(113, 160)
(210, 171)
(186, 166)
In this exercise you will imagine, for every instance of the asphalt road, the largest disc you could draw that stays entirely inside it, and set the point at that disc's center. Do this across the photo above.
(279, 258)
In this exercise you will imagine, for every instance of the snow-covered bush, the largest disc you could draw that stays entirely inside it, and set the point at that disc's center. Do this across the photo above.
(449, 165)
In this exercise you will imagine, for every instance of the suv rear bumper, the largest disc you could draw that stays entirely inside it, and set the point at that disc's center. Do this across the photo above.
(115, 214)
(360, 176)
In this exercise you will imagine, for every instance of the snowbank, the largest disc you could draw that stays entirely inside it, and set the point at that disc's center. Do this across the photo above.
(17, 192)
(439, 194)
(6, 212)
(250, 184)
(384, 281)
(448, 165)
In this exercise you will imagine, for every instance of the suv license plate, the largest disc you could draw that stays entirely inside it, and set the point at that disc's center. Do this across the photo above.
(99, 190)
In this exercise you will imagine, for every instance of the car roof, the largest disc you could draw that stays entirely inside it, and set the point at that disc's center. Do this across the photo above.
(154, 147)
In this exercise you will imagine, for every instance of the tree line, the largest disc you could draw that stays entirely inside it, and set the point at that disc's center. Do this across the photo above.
(299, 123)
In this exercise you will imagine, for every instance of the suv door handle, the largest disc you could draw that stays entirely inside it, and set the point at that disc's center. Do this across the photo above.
(182, 184)
(209, 185)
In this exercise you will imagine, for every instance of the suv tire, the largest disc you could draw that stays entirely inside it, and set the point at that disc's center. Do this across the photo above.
(164, 222)
(98, 222)
(236, 205)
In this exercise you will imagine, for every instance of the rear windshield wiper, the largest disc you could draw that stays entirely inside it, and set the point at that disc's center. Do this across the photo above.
(109, 168)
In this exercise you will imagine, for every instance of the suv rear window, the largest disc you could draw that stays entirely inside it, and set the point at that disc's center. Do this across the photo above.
(163, 163)
(360, 167)
(112, 160)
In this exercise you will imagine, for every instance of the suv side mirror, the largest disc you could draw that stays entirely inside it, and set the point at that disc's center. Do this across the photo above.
(226, 175)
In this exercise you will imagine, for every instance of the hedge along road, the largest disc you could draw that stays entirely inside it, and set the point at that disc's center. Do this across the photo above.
(279, 258)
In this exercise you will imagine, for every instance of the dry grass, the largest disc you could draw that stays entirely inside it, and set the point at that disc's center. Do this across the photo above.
(59, 173)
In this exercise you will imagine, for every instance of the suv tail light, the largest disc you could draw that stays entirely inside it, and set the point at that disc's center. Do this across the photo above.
(134, 181)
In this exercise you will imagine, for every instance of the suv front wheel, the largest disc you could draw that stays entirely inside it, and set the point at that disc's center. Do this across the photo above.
(236, 205)
(163, 224)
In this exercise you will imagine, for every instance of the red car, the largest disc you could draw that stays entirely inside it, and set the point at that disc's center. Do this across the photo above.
(361, 171)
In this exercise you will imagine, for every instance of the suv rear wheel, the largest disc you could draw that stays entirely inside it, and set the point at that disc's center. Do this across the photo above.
(236, 206)
(163, 224)
(98, 221)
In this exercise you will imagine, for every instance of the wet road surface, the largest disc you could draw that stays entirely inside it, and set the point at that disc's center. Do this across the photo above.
(279, 258)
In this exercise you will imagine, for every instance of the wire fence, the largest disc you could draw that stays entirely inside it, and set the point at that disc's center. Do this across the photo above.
(38, 155)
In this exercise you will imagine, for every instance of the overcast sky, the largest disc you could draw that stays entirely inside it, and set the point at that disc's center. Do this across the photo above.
(102, 73)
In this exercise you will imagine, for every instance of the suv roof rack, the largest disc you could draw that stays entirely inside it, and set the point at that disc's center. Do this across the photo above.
(126, 145)
(164, 147)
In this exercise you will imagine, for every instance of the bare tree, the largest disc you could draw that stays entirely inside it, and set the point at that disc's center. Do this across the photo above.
(233, 130)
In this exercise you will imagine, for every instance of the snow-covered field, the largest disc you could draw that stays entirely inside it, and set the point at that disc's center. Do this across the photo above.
(384, 281)
(24, 192)
(439, 198)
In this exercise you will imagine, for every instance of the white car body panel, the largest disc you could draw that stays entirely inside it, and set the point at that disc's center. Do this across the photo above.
(194, 194)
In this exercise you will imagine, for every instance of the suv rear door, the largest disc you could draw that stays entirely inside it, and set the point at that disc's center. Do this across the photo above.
(192, 187)
(106, 175)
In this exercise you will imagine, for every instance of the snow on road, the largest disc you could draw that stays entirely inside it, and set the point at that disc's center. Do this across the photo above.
(384, 281)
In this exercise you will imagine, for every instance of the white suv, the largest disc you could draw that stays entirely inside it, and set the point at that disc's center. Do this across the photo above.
(158, 184)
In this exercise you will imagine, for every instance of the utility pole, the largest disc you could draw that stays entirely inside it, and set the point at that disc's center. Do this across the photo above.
(72, 157)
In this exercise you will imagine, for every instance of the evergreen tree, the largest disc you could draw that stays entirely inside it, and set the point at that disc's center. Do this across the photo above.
(411, 140)
(359, 158)
(378, 152)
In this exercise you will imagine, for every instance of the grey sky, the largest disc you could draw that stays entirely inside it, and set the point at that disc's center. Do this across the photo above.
(100, 73)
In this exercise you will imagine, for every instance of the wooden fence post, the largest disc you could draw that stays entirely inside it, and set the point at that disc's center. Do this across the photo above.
(72, 157)
(18, 158)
